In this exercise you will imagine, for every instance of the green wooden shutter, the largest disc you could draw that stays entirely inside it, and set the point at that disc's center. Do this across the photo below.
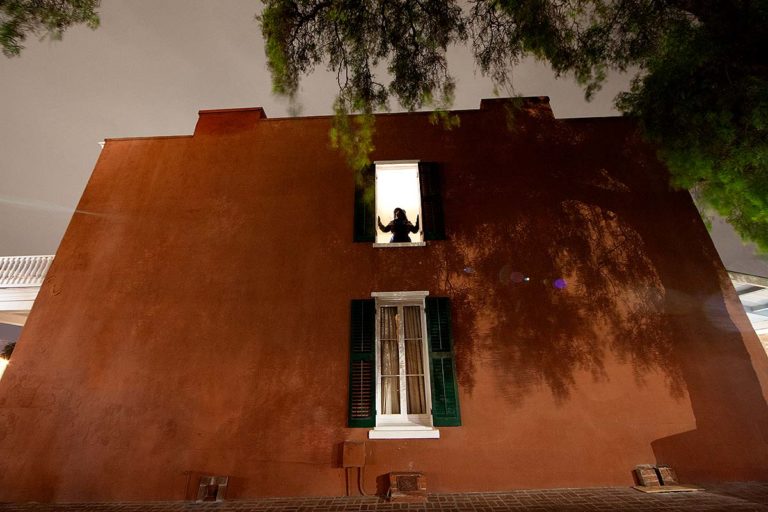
(431, 201)
(362, 360)
(365, 216)
(445, 395)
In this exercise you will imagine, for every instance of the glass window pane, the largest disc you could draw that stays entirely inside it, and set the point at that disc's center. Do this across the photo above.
(412, 325)
(417, 402)
(390, 364)
(414, 363)
(390, 395)
(388, 323)
(390, 354)
(402, 365)
(390, 361)
(414, 360)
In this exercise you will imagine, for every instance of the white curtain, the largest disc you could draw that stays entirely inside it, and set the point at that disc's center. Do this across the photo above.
(414, 361)
(390, 365)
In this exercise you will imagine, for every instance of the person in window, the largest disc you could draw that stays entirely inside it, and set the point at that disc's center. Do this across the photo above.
(400, 227)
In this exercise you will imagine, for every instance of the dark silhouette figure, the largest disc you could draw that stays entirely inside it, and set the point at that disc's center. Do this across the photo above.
(400, 227)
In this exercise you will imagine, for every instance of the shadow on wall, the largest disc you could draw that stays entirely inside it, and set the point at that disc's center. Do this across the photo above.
(557, 309)
(615, 262)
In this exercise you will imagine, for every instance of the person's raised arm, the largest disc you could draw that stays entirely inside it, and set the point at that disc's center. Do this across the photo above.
(415, 228)
(382, 227)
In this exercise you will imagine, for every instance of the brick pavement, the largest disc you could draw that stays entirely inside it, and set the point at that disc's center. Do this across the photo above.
(751, 496)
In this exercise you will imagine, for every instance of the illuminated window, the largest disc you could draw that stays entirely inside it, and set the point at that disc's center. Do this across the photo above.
(398, 203)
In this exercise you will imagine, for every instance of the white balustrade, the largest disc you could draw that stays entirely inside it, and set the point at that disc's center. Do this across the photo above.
(23, 271)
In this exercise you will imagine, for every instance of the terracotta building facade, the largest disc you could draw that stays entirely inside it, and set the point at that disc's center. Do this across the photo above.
(544, 311)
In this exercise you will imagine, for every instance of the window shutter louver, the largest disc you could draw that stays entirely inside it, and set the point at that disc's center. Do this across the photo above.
(445, 396)
(431, 201)
(365, 225)
(362, 358)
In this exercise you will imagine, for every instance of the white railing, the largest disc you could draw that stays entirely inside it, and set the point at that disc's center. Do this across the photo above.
(23, 271)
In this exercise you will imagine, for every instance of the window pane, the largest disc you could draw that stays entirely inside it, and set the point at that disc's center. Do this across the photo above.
(412, 322)
(417, 402)
(414, 360)
(390, 366)
(390, 395)
(388, 323)
(390, 354)
(390, 361)
(414, 364)
(414, 367)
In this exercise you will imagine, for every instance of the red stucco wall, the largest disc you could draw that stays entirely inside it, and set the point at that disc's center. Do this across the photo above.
(196, 318)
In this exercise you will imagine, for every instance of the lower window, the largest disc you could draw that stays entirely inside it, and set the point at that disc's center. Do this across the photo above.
(401, 385)
(402, 379)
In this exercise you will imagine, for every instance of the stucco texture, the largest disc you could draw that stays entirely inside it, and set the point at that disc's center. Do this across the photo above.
(196, 317)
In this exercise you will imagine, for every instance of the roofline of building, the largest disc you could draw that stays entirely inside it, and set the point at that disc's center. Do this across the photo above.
(258, 114)
(148, 137)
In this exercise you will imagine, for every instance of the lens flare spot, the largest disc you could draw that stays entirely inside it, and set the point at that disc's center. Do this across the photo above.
(517, 277)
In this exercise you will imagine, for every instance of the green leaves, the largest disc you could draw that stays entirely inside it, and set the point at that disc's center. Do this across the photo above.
(20, 18)
(357, 39)
(7, 350)
(703, 99)
(701, 93)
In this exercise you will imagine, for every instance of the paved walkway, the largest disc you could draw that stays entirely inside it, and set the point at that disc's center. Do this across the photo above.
(751, 496)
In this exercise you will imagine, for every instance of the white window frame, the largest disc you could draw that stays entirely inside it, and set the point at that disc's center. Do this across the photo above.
(403, 425)
(382, 166)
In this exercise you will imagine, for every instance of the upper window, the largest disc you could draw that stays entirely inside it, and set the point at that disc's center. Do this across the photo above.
(402, 379)
(398, 203)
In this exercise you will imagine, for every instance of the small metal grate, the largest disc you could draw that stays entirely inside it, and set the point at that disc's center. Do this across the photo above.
(212, 488)
(407, 483)
(407, 486)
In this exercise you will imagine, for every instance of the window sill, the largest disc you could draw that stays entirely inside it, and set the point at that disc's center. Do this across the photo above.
(400, 244)
(404, 433)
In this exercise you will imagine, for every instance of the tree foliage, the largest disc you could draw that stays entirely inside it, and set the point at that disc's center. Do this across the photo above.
(355, 38)
(703, 98)
(700, 90)
(20, 18)
(7, 350)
